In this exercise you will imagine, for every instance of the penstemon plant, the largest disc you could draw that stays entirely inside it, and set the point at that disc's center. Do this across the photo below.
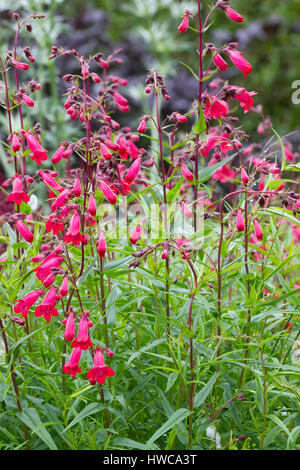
(163, 279)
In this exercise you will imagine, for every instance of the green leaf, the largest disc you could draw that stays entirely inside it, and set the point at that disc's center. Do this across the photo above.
(89, 410)
(191, 70)
(31, 418)
(176, 418)
(206, 172)
(200, 126)
(205, 391)
(112, 265)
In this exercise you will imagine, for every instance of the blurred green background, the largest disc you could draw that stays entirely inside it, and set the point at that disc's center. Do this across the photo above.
(147, 33)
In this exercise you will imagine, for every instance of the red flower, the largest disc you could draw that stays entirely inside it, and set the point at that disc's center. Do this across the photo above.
(18, 195)
(24, 304)
(233, 15)
(120, 100)
(142, 127)
(54, 224)
(107, 192)
(258, 231)
(59, 154)
(239, 61)
(15, 143)
(99, 372)
(101, 245)
(136, 235)
(71, 367)
(220, 63)
(64, 288)
(27, 100)
(240, 221)
(244, 97)
(19, 65)
(244, 176)
(133, 171)
(105, 152)
(187, 173)
(49, 181)
(186, 210)
(77, 187)
(180, 118)
(83, 340)
(51, 261)
(92, 206)
(39, 154)
(73, 234)
(184, 24)
(24, 231)
(47, 308)
(70, 327)
(216, 108)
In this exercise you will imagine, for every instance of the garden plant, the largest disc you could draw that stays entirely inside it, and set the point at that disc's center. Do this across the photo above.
(149, 296)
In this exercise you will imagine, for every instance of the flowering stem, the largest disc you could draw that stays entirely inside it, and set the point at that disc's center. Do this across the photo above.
(163, 179)
(196, 156)
(103, 306)
(14, 381)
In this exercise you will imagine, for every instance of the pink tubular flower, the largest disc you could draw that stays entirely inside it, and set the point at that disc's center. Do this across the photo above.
(136, 235)
(18, 195)
(61, 200)
(180, 118)
(258, 231)
(142, 126)
(186, 210)
(50, 181)
(19, 65)
(233, 15)
(99, 372)
(83, 340)
(101, 245)
(103, 63)
(239, 61)
(133, 150)
(216, 109)
(64, 288)
(59, 154)
(244, 176)
(77, 187)
(15, 143)
(71, 367)
(92, 206)
(107, 192)
(184, 24)
(220, 63)
(122, 149)
(133, 171)
(70, 327)
(105, 152)
(188, 175)
(111, 145)
(244, 97)
(120, 100)
(73, 234)
(240, 221)
(47, 306)
(24, 231)
(27, 100)
(39, 154)
(24, 304)
(54, 224)
(51, 261)
(95, 77)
